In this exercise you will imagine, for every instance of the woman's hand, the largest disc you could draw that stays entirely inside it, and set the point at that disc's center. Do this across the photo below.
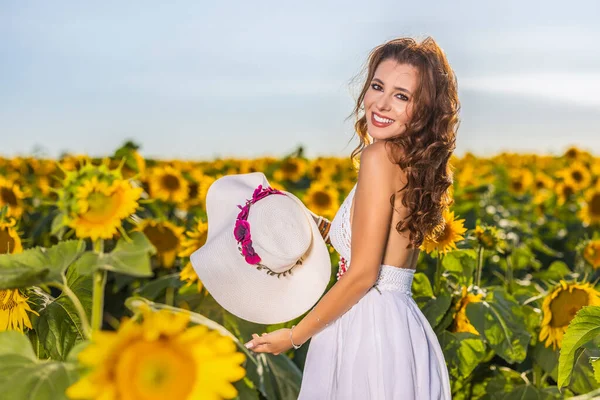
(275, 342)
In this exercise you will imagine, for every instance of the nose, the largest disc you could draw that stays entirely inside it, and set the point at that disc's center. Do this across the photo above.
(383, 103)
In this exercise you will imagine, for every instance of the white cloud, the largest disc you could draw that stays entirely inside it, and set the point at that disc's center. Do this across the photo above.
(576, 88)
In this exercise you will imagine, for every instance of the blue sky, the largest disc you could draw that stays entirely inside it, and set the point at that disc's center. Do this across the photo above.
(198, 80)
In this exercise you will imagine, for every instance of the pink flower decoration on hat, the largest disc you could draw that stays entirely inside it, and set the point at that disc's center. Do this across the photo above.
(244, 213)
(241, 231)
(249, 253)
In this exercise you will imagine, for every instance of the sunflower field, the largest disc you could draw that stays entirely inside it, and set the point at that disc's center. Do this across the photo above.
(98, 299)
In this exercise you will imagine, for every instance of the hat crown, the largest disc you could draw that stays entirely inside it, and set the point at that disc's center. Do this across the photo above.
(281, 232)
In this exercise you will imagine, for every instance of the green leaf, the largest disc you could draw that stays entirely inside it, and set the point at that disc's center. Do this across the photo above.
(435, 309)
(59, 326)
(23, 376)
(547, 358)
(38, 265)
(596, 366)
(556, 271)
(500, 321)
(15, 343)
(157, 287)
(421, 287)
(508, 384)
(463, 351)
(536, 243)
(584, 327)
(130, 258)
(524, 259)
(461, 265)
(285, 377)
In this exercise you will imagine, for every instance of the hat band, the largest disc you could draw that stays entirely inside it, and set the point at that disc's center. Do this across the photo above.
(241, 231)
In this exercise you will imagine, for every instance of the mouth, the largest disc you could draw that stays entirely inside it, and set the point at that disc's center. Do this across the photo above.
(380, 121)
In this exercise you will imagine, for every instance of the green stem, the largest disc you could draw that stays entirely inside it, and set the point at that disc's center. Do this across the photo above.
(438, 274)
(99, 278)
(479, 266)
(509, 274)
(98, 299)
(537, 376)
(85, 323)
(170, 296)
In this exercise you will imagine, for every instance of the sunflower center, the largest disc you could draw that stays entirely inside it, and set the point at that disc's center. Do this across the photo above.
(445, 234)
(577, 176)
(539, 184)
(322, 199)
(8, 196)
(7, 301)
(517, 185)
(7, 242)
(565, 306)
(568, 191)
(595, 204)
(162, 237)
(155, 370)
(101, 206)
(193, 190)
(171, 182)
(290, 167)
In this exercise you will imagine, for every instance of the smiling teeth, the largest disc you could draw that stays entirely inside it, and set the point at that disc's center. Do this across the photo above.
(383, 120)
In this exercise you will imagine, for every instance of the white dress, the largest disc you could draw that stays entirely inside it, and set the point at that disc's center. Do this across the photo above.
(382, 348)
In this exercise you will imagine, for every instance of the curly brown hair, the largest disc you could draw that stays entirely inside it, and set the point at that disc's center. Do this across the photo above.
(430, 137)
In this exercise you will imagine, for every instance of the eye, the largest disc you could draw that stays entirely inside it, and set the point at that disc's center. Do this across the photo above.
(403, 97)
(376, 87)
(373, 86)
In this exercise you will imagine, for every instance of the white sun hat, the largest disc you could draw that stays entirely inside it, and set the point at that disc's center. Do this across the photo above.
(264, 259)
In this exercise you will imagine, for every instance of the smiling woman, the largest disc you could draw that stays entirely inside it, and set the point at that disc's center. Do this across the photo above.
(378, 344)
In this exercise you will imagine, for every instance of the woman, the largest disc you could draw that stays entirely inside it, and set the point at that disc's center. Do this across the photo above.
(369, 338)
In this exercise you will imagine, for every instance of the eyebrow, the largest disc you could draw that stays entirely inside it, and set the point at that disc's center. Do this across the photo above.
(397, 88)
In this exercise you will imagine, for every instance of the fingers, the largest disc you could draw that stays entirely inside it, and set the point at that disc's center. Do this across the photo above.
(257, 341)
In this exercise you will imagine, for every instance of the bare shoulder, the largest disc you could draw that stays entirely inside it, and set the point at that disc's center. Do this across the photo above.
(377, 163)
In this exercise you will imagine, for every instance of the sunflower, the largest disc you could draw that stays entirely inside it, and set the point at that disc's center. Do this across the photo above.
(564, 192)
(193, 241)
(487, 236)
(168, 184)
(573, 153)
(12, 195)
(100, 206)
(165, 236)
(290, 169)
(461, 322)
(322, 199)
(591, 253)
(74, 162)
(13, 310)
(160, 358)
(543, 181)
(445, 237)
(321, 169)
(560, 306)
(198, 188)
(590, 212)
(10, 242)
(520, 180)
(578, 175)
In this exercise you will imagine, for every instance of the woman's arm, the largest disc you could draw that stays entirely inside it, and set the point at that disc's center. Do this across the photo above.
(370, 228)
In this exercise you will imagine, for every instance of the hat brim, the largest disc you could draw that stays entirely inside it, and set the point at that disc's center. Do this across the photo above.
(251, 294)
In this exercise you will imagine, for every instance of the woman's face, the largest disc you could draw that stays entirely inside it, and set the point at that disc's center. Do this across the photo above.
(388, 101)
